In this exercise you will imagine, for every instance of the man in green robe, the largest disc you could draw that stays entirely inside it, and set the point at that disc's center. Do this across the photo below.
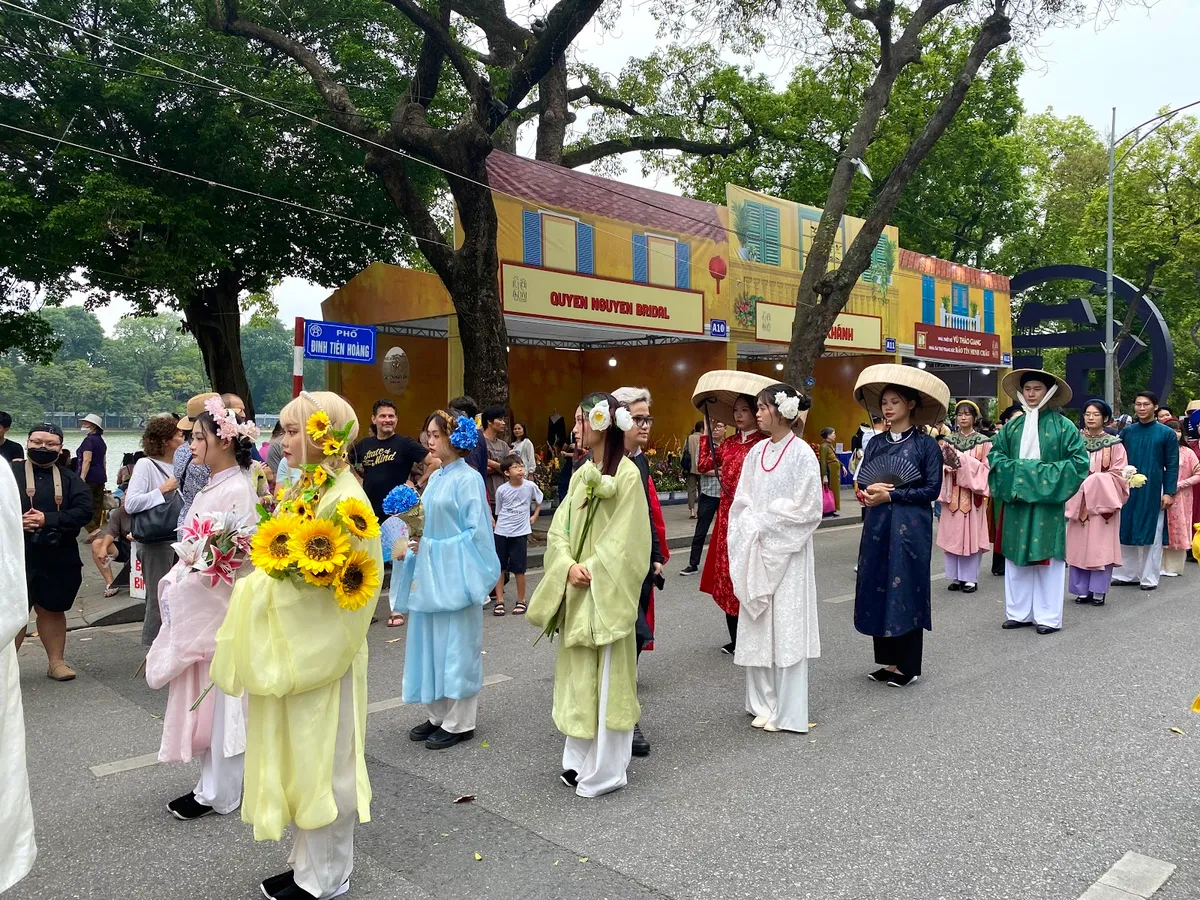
(1038, 462)
(1153, 450)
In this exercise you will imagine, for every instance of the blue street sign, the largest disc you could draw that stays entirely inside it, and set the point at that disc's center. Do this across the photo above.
(809, 381)
(339, 342)
(718, 328)
(1006, 359)
(889, 345)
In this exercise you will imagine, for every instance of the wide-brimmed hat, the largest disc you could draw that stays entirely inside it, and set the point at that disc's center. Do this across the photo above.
(194, 408)
(93, 419)
(716, 391)
(934, 394)
(1011, 385)
(1193, 406)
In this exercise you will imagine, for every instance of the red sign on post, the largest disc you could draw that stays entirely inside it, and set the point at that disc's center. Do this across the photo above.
(936, 342)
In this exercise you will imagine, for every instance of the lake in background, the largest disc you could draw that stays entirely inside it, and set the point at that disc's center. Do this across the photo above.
(119, 443)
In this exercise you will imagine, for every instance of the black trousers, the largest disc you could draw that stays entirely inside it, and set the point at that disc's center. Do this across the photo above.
(706, 508)
(903, 652)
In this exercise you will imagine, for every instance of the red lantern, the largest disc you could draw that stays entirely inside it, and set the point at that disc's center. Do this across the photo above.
(718, 270)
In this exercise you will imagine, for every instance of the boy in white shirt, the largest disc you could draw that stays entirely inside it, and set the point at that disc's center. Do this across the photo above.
(513, 527)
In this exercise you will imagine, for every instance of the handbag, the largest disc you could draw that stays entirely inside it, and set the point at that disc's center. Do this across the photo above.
(827, 503)
(159, 524)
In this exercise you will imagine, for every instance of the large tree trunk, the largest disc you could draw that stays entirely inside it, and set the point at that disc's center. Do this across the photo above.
(554, 113)
(214, 319)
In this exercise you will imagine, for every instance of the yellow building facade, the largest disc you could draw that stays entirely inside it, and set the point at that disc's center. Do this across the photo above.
(606, 284)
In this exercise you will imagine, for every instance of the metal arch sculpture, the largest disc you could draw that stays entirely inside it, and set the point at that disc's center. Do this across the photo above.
(1090, 357)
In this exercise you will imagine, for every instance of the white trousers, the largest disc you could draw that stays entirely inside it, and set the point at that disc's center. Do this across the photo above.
(454, 716)
(780, 694)
(322, 858)
(1142, 564)
(600, 764)
(220, 784)
(1173, 562)
(1035, 593)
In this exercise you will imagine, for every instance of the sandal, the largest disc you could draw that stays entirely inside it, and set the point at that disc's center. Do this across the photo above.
(111, 592)
(499, 609)
(519, 609)
(395, 620)
(60, 671)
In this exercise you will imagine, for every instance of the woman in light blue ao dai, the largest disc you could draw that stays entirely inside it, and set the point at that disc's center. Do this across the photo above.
(442, 583)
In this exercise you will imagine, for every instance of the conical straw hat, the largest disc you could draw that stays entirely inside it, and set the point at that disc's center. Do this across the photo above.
(717, 390)
(1011, 385)
(935, 395)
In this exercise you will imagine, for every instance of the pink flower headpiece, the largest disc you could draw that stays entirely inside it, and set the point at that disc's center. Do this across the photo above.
(225, 420)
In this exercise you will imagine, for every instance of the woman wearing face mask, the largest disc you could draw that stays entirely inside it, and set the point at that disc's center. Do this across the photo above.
(771, 524)
(91, 456)
(727, 397)
(1094, 512)
(151, 485)
(442, 585)
(596, 552)
(900, 477)
(962, 527)
(193, 605)
(294, 641)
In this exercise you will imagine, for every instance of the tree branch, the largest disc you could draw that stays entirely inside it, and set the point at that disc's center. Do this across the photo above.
(422, 88)
(581, 156)
(595, 98)
(505, 37)
(433, 28)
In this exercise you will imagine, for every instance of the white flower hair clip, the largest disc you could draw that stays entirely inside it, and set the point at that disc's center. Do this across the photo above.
(600, 417)
(624, 418)
(789, 407)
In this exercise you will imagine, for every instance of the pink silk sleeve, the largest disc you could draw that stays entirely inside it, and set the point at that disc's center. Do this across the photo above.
(1185, 453)
(1106, 492)
(973, 473)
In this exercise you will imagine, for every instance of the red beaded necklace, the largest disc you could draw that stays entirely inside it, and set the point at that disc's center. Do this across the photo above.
(762, 460)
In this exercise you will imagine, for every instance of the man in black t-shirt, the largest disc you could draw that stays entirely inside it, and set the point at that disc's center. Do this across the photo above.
(385, 460)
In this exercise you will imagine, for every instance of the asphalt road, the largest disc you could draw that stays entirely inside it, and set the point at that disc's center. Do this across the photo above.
(1021, 766)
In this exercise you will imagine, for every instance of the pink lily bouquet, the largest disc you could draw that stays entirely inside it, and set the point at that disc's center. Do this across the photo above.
(215, 545)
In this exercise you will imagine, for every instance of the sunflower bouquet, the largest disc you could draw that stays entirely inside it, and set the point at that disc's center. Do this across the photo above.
(324, 551)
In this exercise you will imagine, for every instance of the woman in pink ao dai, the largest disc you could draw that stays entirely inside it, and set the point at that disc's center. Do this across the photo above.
(963, 526)
(1094, 513)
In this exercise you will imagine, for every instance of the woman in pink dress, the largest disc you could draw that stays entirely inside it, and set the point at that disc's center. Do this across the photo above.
(1094, 513)
(1179, 516)
(963, 527)
(193, 605)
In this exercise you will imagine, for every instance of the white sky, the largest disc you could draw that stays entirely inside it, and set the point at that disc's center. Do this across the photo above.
(1139, 63)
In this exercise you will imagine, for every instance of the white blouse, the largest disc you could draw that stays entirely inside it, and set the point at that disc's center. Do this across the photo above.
(143, 492)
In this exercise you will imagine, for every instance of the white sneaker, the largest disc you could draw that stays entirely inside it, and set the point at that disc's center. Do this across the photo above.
(760, 721)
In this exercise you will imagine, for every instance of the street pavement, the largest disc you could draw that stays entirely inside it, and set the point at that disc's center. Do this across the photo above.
(1021, 766)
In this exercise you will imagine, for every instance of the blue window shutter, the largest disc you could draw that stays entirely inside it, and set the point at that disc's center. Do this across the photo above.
(960, 305)
(584, 237)
(770, 240)
(683, 265)
(641, 268)
(531, 226)
(989, 311)
(928, 300)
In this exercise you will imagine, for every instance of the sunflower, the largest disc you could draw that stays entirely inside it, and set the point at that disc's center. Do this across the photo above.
(359, 518)
(319, 476)
(281, 493)
(332, 447)
(271, 548)
(305, 481)
(301, 508)
(357, 581)
(322, 577)
(318, 426)
(318, 545)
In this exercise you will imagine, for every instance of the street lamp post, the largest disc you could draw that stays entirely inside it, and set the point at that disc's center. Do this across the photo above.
(1110, 348)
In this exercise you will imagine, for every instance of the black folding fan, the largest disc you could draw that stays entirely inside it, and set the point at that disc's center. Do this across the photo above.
(887, 469)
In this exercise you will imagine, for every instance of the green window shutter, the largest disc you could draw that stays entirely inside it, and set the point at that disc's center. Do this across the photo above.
(754, 230)
(771, 254)
(878, 266)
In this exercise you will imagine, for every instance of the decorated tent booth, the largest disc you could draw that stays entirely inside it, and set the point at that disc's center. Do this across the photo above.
(606, 284)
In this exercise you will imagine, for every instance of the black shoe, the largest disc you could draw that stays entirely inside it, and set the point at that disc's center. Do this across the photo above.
(881, 675)
(1096, 599)
(1047, 629)
(569, 777)
(187, 808)
(969, 587)
(441, 740)
(1013, 623)
(1149, 587)
(729, 648)
(954, 586)
(1117, 583)
(1084, 598)
(276, 883)
(899, 680)
(295, 892)
(689, 570)
(422, 732)
(641, 746)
